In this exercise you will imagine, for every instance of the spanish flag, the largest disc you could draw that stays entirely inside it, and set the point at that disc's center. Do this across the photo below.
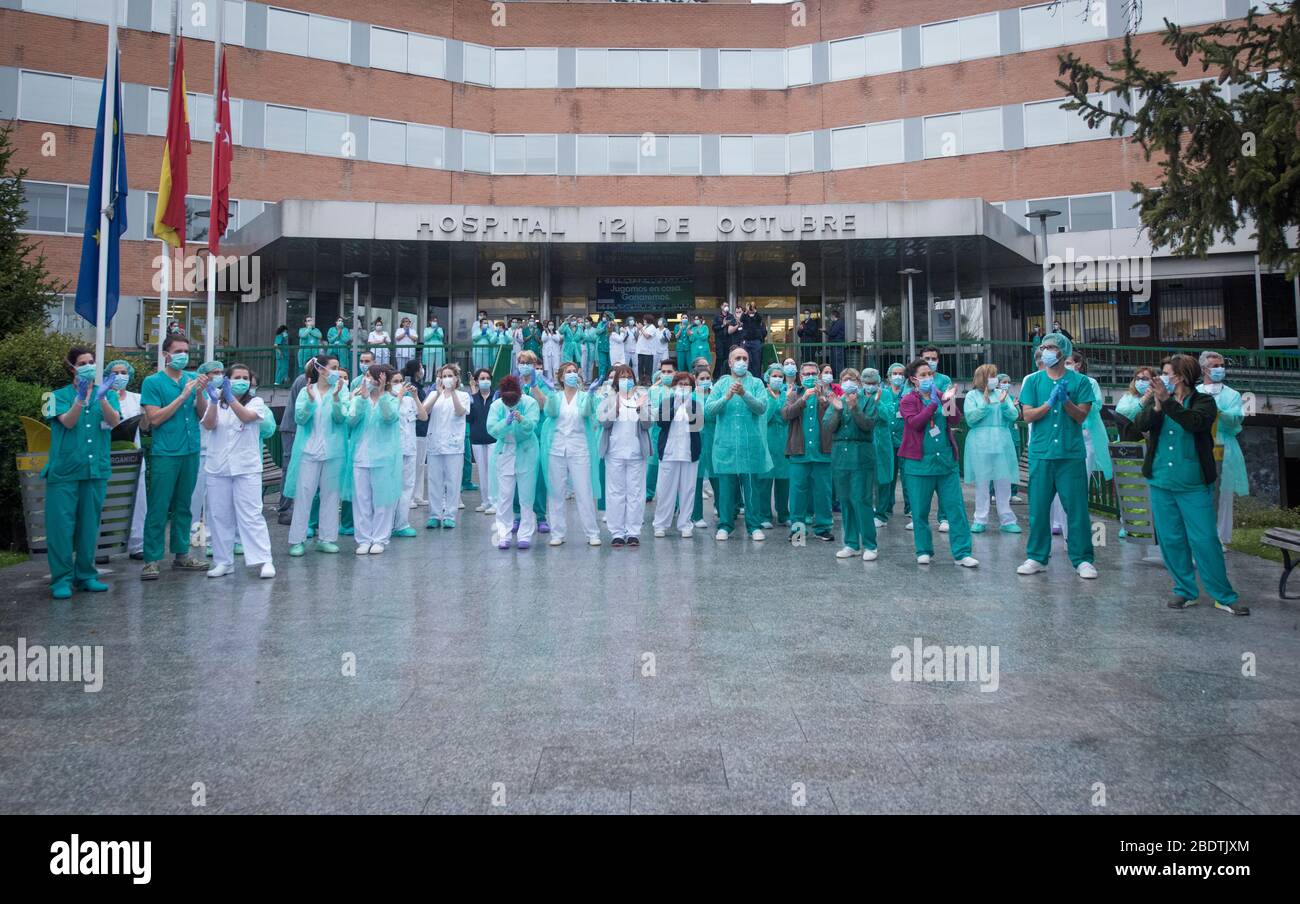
(169, 217)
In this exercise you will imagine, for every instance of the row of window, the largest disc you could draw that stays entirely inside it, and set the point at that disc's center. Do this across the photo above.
(942, 43)
(1077, 213)
(57, 208)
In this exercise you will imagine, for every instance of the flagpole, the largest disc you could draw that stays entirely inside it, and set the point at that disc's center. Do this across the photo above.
(163, 305)
(212, 189)
(107, 182)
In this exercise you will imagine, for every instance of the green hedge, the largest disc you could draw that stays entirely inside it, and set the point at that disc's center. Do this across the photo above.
(17, 398)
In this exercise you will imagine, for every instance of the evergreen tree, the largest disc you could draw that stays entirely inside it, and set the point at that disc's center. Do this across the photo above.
(26, 289)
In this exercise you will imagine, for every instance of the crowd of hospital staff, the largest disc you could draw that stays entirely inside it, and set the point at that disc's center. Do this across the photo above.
(610, 430)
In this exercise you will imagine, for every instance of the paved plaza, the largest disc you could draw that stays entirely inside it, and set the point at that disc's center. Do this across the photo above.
(687, 676)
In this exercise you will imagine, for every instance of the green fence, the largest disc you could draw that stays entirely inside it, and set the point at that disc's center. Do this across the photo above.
(278, 365)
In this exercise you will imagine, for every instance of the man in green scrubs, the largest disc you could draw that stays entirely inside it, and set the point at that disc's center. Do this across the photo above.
(174, 402)
(808, 451)
(81, 416)
(1055, 403)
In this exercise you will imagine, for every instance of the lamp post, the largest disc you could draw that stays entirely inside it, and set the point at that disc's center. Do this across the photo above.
(1042, 214)
(909, 272)
(356, 276)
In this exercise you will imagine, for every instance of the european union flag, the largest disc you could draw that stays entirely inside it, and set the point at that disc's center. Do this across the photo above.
(88, 280)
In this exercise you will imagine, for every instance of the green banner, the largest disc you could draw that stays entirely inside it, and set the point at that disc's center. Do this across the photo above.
(645, 294)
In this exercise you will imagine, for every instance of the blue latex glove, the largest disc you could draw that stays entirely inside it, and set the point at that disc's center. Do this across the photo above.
(935, 395)
(1059, 394)
(594, 383)
(227, 394)
(102, 393)
(82, 388)
(212, 392)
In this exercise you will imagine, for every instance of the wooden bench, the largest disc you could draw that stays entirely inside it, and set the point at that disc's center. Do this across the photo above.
(272, 475)
(1289, 542)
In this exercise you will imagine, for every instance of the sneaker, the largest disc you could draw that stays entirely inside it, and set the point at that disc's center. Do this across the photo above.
(460, 505)
(90, 586)
(542, 526)
(407, 531)
(593, 541)
(1016, 499)
(1031, 566)
(846, 553)
(523, 544)
(189, 563)
(503, 543)
(1087, 570)
(1232, 608)
(297, 550)
(978, 528)
(61, 591)
(138, 556)
(758, 536)
(825, 535)
(909, 526)
(1010, 528)
(490, 510)
(943, 527)
(433, 524)
(617, 542)
(220, 571)
(880, 524)
(326, 546)
(660, 532)
(721, 534)
(150, 571)
(268, 570)
(701, 523)
(448, 523)
(687, 534)
(376, 549)
(870, 555)
(557, 540)
(633, 541)
(1180, 604)
(922, 560)
(766, 525)
(416, 503)
(363, 549)
(969, 562)
(480, 508)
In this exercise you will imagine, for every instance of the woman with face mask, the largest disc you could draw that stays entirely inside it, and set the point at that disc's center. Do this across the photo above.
(446, 409)
(319, 457)
(679, 416)
(828, 379)
(624, 416)
(405, 340)
(773, 486)
(215, 372)
(590, 348)
(434, 340)
(375, 451)
(704, 470)
(1227, 449)
(569, 448)
(408, 413)
(482, 342)
(699, 339)
(738, 405)
(512, 421)
(646, 346)
(552, 350)
(81, 417)
(282, 355)
(1129, 402)
(238, 422)
(128, 404)
(682, 343)
(808, 448)
(309, 342)
(340, 339)
(1180, 471)
(990, 455)
(662, 336)
(851, 423)
(481, 398)
(929, 453)
(379, 340)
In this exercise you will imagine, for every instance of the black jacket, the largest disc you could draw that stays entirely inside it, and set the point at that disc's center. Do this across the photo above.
(477, 417)
(664, 413)
(1196, 417)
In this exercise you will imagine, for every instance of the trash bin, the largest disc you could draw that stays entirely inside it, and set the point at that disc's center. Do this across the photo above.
(119, 500)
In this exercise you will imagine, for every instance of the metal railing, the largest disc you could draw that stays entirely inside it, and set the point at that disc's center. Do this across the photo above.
(278, 365)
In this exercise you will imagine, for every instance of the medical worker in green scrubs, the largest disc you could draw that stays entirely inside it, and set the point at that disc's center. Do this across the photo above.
(809, 454)
(738, 405)
(886, 489)
(851, 423)
(775, 483)
(173, 401)
(81, 416)
(1181, 473)
(1056, 402)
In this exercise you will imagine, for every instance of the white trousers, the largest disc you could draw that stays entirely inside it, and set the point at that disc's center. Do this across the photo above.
(625, 496)
(676, 487)
(444, 483)
(481, 455)
(235, 513)
(402, 514)
(1058, 515)
(578, 470)
(197, 497)
(373, 524)
(421, 478)
(1002, 491)
(310, 480)
(1225, 515)
(505, 516)
(135, 541)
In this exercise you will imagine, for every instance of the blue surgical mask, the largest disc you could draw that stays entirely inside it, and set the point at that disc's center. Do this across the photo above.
(739, 368)
(526, 371)
(790, 370)
(927, 385)
(626, 384)
(1050, 358)
(828, 379)
(666, 379)
(896, 379)
(1169, 383)
(1218, 373)
(775, 380)
(120, 381)
(239, 387)
(570, 379)
(704, 385)
(484, 385)
(849, 386)
(86, 372)
(872, 387)
(1142, 386)
(332, 377)
(216, 380)
(180, 359)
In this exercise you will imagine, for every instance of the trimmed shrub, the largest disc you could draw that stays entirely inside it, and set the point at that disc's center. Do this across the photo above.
(17, 398)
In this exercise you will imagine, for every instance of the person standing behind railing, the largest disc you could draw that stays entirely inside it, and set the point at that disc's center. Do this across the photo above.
(1180, 470)
(483, 342)
(379, 340)
(309, 341)
(699, 341)
(835, 336)
(340, 340)
(282, 355)
(1227, 451)
(434, 340)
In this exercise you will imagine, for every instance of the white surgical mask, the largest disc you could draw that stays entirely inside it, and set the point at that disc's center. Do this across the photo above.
(449, 382)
